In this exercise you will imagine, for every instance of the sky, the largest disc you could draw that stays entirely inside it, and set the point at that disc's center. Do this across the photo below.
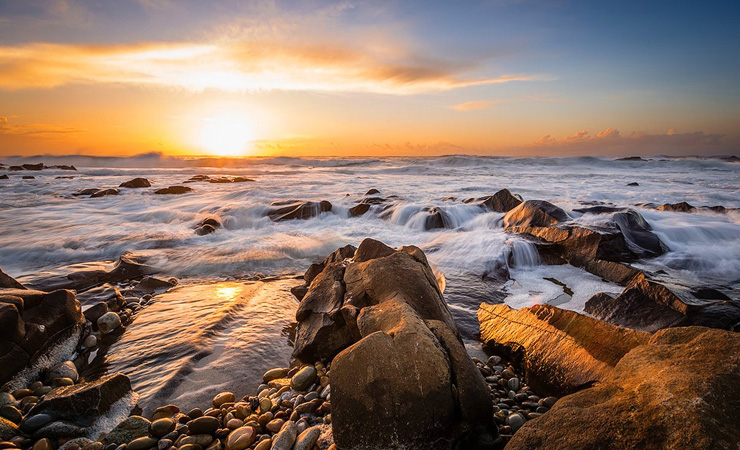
(383, 77)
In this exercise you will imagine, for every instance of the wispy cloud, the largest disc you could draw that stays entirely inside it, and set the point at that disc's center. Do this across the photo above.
(473, 105)
(245, 66)
(39, 130)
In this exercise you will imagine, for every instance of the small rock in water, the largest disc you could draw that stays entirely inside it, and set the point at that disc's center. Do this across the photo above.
(90, 341)
(109, 322)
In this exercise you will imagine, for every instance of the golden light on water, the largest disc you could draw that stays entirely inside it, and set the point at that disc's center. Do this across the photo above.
(226, 135)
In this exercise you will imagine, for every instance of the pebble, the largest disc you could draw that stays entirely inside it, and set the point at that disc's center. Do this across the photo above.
(513, 383)
(264, 445)
(203, 425)
(6, 398)
(165, 411)
(307, 439)
(109, 322)
(11, 413)
(142, 443)
(515, 421)
(63, 381)
(234, 423)
(241, 438)
(549, 401)
(33, 423)
(20, 393)
(161, 427)
(285, 439)
(494, 361)
(274, 374)
(164, 444)
(195, 413)
(203, 440)
(189, 447)
(223, 397)
(43, 444)
(275, 425)
(304, 378)
(265, 404)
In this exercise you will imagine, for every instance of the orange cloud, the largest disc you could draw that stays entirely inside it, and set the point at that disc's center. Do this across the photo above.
(473, 105)
(41, 130)
(244, 66)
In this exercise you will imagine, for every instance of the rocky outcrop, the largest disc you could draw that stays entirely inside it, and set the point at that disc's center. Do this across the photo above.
(6, 281)
(38, 166)
(648, 305)
(173, 190)
(535, 213)
(296, 210)
(502, 201)
(560, 351)
(136, 183)
(688, 208)
(86, 275)
(401, 378)
(32, 322)
(675, 391)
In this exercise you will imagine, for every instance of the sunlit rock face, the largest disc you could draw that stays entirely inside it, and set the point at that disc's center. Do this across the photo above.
(674, 391)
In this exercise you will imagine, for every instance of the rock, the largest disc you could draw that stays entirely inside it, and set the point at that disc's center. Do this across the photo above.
(561, 351)
(12, 327)
(173, 190)
(95, 312)
(223, 397)
(38, 166)
(152, 285)
(104, 193)
(65, 167)
(338, 255)
(535, 213)
(207, 226)
(66, 369)
(372, 192)
(293, 210)
(437, 218)
(142, 443)
(648, 305)
(307, 439)
(203, 425)
(161, 427)
(273, 374)
(136, 183)
(633, 184)
(106, 293)
(677, 207)
(241, 438)
(33, 422)
(4, 177)
(11, 413)
(631, 158)
(6, 281)
(285, 439)
(43, 444)
(82, 404)
(132, 428)
(28, 177)
(109, 322)
(666, 393)
(502, 201)
(15, 168)
(305, 377)
(8, 430)
(359, 209)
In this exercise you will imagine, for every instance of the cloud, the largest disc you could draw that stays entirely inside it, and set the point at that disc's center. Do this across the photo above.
(611, 141)
(473, 105)
(39, 130)
(243, 66)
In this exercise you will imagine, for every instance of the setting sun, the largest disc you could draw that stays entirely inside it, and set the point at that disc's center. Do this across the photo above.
(226, 135)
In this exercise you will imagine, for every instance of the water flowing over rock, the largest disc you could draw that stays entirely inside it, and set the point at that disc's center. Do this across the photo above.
(561, 351)
(402, 378)
(675, 391)
(293, 210)
(502, 201)
(136, 183)
(173, 190)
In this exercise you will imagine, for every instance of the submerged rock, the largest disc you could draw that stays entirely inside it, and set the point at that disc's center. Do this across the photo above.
(136, 183)
(295, 210)
(104, 193)
(173, 190)
(207, 226)
(673, 391)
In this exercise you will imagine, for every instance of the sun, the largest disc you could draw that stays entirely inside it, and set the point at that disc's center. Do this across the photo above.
(227, 135)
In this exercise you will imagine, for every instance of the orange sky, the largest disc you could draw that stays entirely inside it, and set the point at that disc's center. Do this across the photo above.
(344, 78)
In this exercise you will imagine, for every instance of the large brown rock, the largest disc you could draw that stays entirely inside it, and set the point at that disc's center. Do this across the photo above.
(6, 281)
(136, 183)
(561, 351)
(535, 213)
(502, 201)
(84, 403)
(676, 391)
(649, 305)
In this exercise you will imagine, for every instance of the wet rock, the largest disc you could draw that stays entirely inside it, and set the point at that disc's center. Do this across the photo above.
(65, 167)
(109, 322)
(82, 404)
(296, 210)
(15, 168)
(655, 399)
(8, 430)
(677, 207)
(66, 369)
(152, 285)
(96, 311)
(12, 327)
(633, 184)
(359, 209)
(4, 177)
(6, 281)
(104, 193)
(173, 190)
(535, 213)
(437, 218)
(304, 378)
(631, 158)
(162, 427)
(241, 438)
(207, 226)
(28, 177)
(307, 439)
(338, 255)
(561, 351)
(502, 201)
(136, 183)
(38, 166)
(130, 429)
(372, 192)
(203, 425)
(285, 439)
(106, 293)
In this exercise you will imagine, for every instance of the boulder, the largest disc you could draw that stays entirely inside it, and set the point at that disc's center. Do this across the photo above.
(674, 391)
(6, 281)
(296, 210)
(677, 207)
(83, 404)
(338, 255)
(502, 201)
(560, 351)
(437, 218)
(535, 213)
(4, 177)
(173, 190)
(359, 209)
(104, 193)
(38, 166)
(649, 305)
(136, 183)
(15, 168)
(207, 226)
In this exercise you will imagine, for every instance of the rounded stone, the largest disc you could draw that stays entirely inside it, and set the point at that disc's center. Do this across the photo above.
(203, 440)
(164, 444)
(133, 427)
(11, 413)
(109, 322)
(6, 398)
(33, 423)
(265, 404)
(240, 438)
(142, 443)
(264, 445)
(285, 439)
(161, 427)
(203, 425)
(67, 369)
(275, 425)
(513, 383)
(90, 341)
(190, 447)
(223, 397)
(307, 439)
(273, 374)
(43, 444)
(304, 378)
(515, 421)
(234, 423)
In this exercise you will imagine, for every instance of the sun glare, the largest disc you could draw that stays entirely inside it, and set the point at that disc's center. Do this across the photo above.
(227, 135)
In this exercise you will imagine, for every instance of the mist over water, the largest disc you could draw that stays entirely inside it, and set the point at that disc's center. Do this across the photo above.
(43, 226)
